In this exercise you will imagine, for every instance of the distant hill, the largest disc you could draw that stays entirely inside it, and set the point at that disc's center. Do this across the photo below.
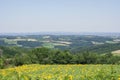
(94, 42)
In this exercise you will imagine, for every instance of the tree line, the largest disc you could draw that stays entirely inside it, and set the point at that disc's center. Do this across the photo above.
(54, 56)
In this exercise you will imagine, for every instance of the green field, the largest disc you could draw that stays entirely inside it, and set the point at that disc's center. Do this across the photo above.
(116, 53)
(61, 72)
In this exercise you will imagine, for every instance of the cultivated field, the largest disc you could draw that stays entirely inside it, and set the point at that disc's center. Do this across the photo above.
(61, 72)
(116, 53)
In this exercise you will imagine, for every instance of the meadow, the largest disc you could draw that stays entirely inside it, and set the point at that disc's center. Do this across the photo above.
(61, 72)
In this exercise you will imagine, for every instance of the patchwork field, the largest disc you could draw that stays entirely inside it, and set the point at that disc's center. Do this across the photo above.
(61, 72)
(116, 53)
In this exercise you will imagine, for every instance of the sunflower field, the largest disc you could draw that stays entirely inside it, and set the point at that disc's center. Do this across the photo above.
(61, 72)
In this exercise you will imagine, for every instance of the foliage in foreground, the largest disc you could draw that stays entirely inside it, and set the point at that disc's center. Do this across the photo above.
(54, 56)
(61, 72)
(51, 56)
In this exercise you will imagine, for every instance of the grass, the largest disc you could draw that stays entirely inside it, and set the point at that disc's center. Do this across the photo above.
(116, 53)
(61, 72)
(10, 41)
(48, 45)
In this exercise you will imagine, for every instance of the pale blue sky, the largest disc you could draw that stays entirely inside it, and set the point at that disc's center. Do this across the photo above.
(59, 16)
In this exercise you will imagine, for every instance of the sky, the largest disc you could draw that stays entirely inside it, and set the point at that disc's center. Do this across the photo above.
(59, 16)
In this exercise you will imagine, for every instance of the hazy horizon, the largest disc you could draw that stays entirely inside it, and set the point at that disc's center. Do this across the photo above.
(30, 16)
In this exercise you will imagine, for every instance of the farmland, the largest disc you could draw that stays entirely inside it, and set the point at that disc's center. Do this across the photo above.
(61, 72)
(73, 43)
(59, 57)
(116, 53)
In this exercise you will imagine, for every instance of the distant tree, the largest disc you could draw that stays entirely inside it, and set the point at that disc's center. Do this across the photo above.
(80, 58)
(1, 52)
(41, 55)
(1, 63)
